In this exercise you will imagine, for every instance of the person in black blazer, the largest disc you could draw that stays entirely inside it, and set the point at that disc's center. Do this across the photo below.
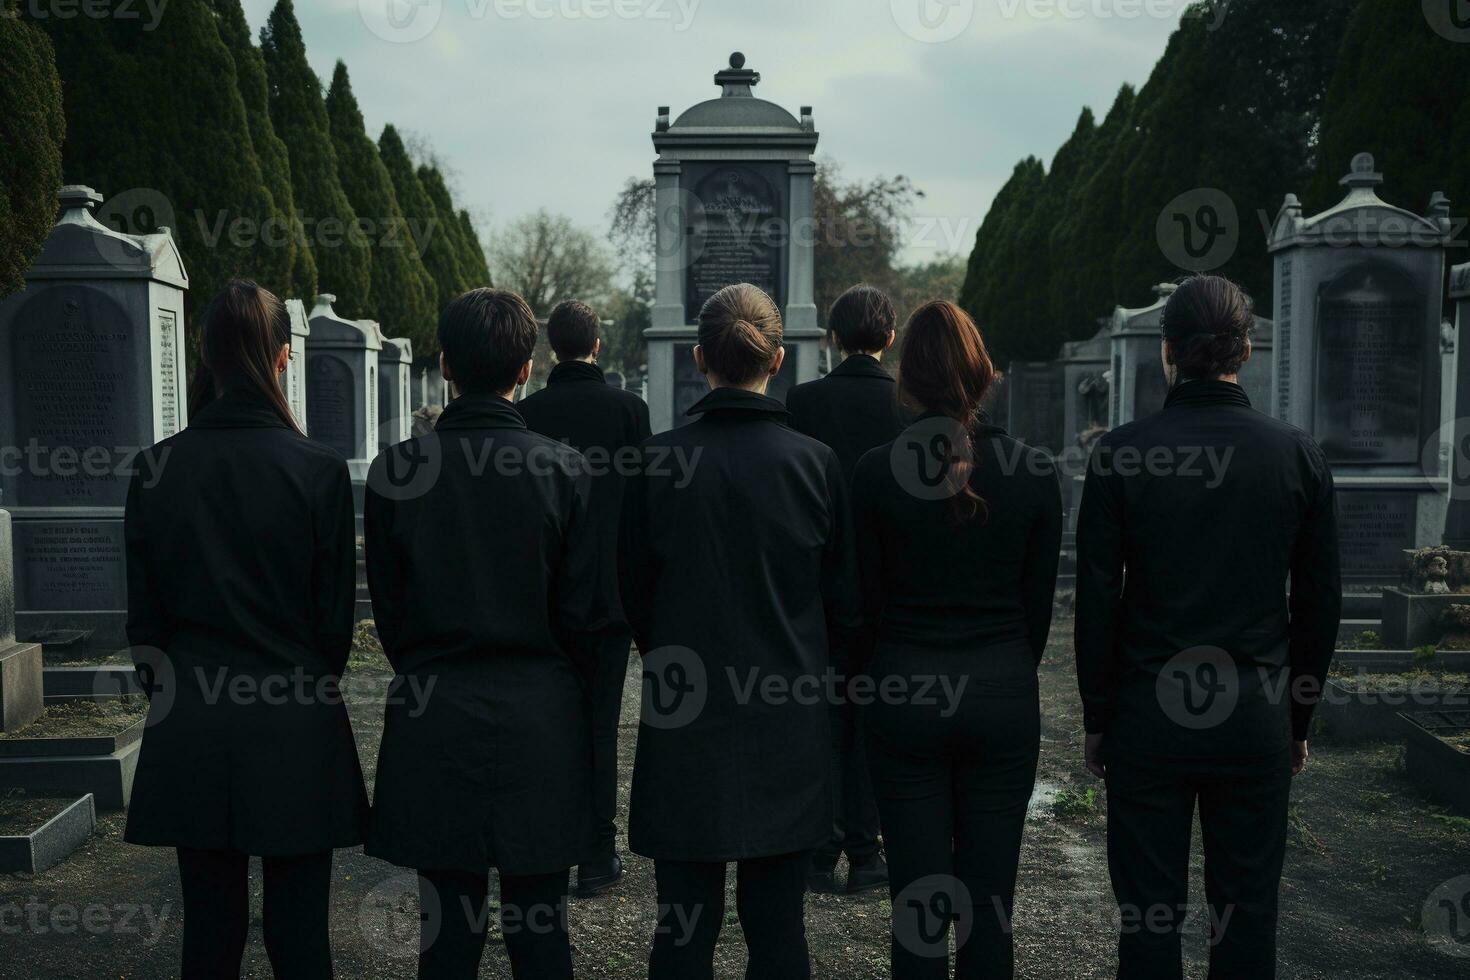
(737, 567)
(240, 557)
(960, 535)
(1198, 670)
(605, 424)
(488, 599)
(852, 410)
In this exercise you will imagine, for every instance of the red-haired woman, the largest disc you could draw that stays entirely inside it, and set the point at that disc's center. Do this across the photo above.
(959, 530)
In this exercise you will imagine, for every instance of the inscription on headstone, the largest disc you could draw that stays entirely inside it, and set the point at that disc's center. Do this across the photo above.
(330, 410)
(1374, 528)
(168, 360)
(737, 233)
(69, 565)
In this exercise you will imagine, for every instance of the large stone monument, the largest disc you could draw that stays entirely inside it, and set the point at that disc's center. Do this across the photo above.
(1035, 404)
(20, 663)
(91, 372)
(395, 391)
(293, 382)
(733, 188)
(1086, 386)
(1358, 364)
(342, 386)
(1457, 520)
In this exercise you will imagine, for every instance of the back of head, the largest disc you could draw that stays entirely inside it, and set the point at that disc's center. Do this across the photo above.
(572, 330)
(245, 328)
(487, 336)
(1207, 322)
(862, 319)
(740, 333)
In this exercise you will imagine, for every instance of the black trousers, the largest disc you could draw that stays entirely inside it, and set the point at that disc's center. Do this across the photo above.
(454, 907)
(770, 898)
(607, 709)
(216, 891)
(1243, 825)
(953, 773)
(854, 810)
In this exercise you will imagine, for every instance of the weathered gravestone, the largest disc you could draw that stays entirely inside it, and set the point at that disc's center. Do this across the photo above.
(429, 387)
(1035, 404)
(733, 198)
(1457, 520)
(342, 388)
(91, 371)
(293, 382)
(395, 390)
(21, 689)
(1358, 365)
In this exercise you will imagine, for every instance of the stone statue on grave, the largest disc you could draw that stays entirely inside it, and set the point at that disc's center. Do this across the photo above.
(1092, 396)
(1437, 571)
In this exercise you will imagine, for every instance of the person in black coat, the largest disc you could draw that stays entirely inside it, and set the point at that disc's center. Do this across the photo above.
(737, 567)
(606, 425)
(487, 596)
(852, 410)
(1198, 671)
(959, 535)
(239, 536)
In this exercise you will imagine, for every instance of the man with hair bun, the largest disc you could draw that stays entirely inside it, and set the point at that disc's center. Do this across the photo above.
(1199, 669)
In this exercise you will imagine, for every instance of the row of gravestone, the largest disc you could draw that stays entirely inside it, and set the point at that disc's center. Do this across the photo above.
(92, 369)
(1357, 355)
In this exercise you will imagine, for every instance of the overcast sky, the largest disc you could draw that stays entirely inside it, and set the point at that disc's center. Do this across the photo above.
(549, 103)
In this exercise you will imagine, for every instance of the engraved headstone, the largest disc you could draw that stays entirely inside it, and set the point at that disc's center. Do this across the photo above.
(733, 194)
(21, 676)
(395, 389)
(1035, 406)
(293, 382)
(342, 387)
(1457, 520)
(91, 371)
(1359, 364)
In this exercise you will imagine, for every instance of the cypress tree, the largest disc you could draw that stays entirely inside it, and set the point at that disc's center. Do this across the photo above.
(401, 293)
(464, 254)
(32, 126)
(990, 300)
(478, 268)
(283, 262)
(436, 248)
(343, 258)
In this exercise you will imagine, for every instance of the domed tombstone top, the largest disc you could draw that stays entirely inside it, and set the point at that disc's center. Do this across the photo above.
(330, 330)
(738, 108)
(1362, 217)
(81, 247)
(1145, 319)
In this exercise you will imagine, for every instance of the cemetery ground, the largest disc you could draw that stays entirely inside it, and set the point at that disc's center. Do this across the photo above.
(1366, 849)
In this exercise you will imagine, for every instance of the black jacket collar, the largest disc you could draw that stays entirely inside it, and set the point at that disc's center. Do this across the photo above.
(738, 401)
(575, 371)
(480, 411)
(860, 366)
(238, 408)
(1207, 393)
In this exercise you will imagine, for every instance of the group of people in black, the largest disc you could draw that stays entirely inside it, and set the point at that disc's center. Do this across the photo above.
(873, 539)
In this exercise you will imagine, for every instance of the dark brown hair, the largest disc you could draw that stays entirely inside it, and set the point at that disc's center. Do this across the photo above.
(740, 333)
(861, 319)
(945, 369)
(1207, 322)
(245, 328)
(572, 330)
(487, 336)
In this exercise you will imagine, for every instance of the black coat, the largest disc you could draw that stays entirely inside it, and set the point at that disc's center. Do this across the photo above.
(991, 581)
(606, 425)
(1181, 547)
(485, 584)
(852, 409)
(241, 570)
(737, 565)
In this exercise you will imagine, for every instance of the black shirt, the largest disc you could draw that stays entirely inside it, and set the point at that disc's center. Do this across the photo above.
(606, 424)
(1191, 521)
(927, 582)
(852, 409)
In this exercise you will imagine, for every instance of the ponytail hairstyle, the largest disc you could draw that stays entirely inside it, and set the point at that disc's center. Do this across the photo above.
(1207, 322)
(244, 330)
(945, 370)
(740, 333)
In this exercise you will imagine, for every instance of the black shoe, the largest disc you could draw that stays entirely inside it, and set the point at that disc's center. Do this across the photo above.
(868, 875)
(594, 879)
(821, 882)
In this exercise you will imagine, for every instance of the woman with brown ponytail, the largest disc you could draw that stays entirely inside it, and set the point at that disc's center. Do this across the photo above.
(736, 568)
(240, 594)
(959, 533)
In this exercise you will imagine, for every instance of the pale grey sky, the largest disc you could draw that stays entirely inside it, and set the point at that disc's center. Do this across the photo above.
(549, 103)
